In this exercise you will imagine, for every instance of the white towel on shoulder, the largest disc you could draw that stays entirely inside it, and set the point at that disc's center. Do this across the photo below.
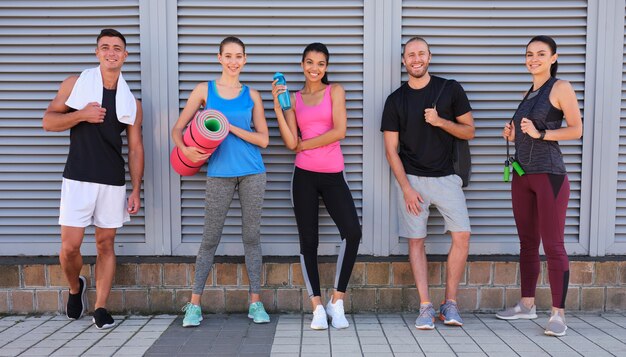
(88, 88)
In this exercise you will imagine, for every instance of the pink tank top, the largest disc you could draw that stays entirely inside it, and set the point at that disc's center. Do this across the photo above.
(314, 121)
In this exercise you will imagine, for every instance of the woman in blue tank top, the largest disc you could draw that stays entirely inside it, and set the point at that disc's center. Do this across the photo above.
(235, 165)
(541, 195)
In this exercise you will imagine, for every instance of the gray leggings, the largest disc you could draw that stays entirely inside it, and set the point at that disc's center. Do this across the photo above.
(219, 195)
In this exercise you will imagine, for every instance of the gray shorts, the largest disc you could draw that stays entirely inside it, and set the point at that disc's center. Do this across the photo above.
(446, 194)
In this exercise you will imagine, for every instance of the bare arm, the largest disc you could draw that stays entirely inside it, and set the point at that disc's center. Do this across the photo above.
(462, 129)
(196, 99)
(340, 122)
(568, 103)
(57, 118)
(260, 135)
(135, 160)
(564, 99)
(287, 124)
(411, 197)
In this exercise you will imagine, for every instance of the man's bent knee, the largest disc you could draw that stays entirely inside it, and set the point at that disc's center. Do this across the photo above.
(460, 237)
(105, 248)
(105, 241)
(69, 250)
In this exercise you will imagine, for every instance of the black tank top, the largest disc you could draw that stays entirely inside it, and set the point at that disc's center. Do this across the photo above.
(539, 156)
(96, 149)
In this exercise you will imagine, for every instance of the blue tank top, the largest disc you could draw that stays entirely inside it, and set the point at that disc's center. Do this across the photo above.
(235, 156)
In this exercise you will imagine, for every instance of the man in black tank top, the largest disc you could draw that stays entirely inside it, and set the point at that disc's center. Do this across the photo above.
(94, 181)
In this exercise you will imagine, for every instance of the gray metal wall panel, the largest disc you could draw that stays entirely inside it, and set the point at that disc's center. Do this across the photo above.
(620, 213)
(41, 43)
(481, 44)
(275, 33)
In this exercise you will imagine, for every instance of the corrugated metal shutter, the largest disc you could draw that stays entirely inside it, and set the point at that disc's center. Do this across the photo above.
(481, 44)
(275, 33)
(620, 212)
(41, 43)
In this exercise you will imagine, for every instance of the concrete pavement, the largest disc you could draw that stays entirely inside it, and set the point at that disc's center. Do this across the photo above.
(382, 334)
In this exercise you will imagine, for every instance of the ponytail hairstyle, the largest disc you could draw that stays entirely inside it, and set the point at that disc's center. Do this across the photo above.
(321, 48)
(552, 44)
(232, 39)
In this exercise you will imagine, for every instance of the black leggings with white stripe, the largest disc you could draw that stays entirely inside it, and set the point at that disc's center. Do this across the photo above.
(307, 187)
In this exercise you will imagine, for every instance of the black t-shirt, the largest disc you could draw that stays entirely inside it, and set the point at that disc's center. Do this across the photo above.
(424, 149)
(96, 149)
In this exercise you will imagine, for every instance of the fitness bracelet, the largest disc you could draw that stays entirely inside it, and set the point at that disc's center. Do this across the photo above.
(542, 134)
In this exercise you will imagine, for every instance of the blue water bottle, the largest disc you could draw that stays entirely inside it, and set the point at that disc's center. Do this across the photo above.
(283, 98)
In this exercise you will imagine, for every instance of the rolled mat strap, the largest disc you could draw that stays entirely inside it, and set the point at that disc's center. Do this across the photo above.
(205, 131)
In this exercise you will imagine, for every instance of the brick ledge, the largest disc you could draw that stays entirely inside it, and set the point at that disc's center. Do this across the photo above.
(19, 260)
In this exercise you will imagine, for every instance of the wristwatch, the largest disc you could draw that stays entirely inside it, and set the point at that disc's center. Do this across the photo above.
(542, 134)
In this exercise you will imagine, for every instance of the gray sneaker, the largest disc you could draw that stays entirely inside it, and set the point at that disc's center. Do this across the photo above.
(519, 311)
(556, 326)
(449, 313)
(426, 318)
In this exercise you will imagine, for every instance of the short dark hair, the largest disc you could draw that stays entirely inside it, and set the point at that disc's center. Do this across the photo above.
(232, 39)
(111, 33)
(413, 39)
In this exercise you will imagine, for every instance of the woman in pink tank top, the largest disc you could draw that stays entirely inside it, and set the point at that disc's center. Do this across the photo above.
(319, 114)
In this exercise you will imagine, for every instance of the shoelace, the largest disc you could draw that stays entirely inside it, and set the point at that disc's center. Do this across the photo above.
(317, 312)
(448, 307)
(426, 311)
(187, 307)
(557, 317)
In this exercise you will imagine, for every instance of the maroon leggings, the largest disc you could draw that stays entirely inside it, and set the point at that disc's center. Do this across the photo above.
(539, 207)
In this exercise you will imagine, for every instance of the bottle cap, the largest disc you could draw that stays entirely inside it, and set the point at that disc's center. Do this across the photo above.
(277, 74)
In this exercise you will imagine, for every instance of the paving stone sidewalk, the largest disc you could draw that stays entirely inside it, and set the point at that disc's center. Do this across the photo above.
(377, 335)
(58, 336)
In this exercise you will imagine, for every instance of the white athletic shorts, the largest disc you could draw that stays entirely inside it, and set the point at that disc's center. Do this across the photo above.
(86, 203)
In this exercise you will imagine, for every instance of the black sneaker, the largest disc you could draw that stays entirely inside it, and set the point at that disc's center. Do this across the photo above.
(102, 319)
(76, 303)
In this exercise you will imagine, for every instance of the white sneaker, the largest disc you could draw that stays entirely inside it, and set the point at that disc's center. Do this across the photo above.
(336, 314)
(320, 321)
(556, 326)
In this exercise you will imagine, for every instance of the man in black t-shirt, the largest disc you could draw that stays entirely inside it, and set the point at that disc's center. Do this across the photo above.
(419, 136)
(96, 107)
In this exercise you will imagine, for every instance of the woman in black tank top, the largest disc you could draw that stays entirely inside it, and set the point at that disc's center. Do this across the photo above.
(541, 195)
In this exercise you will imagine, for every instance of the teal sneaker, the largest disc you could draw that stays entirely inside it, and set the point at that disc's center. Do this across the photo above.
(257, 313)
(193, 315)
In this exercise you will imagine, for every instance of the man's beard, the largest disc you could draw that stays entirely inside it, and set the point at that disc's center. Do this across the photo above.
(419, 74)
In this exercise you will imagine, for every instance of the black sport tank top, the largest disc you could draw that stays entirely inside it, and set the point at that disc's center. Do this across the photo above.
(539, 156)
(96, 149)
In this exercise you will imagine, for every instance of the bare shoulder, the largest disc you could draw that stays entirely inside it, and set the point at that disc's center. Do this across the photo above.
(254, 94)
(336, 88)
(337, 92)
(65, 89)
(139, 116)
(563, 85)
(202, 86)
(71, 79)
(200, 92)
(68, 83)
